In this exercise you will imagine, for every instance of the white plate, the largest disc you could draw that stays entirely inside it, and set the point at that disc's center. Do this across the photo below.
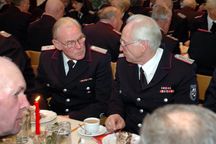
(48, 116)
(111, 139)
(102, 130)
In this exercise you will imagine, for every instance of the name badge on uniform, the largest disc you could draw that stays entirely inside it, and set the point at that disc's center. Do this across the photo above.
(85, 80)
(166, 89)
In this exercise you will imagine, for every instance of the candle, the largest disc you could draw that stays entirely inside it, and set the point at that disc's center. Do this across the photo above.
(37, 116)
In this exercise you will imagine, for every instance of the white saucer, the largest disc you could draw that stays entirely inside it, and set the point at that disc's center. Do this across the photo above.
(102, 130)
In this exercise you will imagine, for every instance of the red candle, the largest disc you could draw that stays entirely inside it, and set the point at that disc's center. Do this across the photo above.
(37, 116)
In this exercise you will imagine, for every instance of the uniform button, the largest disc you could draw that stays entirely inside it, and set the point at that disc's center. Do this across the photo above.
(87, 88)
(138, 99)
(48, 85)
(139, 125)
(66, 110)
(120, 91)
(64, 90)
(141, 110)
(165, 99)
(67, 100)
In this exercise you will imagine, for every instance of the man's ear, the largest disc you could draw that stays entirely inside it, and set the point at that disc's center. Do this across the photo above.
(57, 44)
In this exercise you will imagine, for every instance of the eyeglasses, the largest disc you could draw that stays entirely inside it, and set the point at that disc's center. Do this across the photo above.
(72, 43)
(124, 44)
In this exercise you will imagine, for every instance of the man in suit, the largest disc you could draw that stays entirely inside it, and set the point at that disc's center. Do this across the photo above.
(40, 31)
(12, 98)
(77, 78)
(147, 77)
(16, 20)
(104, 33)
(11, 48)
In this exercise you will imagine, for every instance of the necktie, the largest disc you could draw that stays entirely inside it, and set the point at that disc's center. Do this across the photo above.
(213, 28)
(143, 81)
(70, 65)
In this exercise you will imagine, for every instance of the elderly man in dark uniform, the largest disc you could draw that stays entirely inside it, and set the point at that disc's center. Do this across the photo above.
(147, 77)
(105, 33)
(77, 78)
(40, 31)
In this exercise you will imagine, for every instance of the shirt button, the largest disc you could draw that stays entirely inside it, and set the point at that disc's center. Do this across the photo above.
(139, 125)
(120, 91)
(138, 99)
(66, 110)
(48, 85)
(64, 90)
(87, 88)
(141, 110)
(67, 100)
(165, 99)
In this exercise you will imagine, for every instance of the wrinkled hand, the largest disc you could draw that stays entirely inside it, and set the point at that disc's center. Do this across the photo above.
(114, 122)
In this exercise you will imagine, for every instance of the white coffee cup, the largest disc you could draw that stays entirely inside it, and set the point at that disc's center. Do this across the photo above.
(91, 125)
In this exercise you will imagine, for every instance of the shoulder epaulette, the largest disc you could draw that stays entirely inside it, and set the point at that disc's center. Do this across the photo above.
(118, 32)
(121, 55)
(202, 30)
(47, 47)
(91, 12)
(5, 34)
(181, 15)
(171, 37)
(98, 49)
(199, 16)
(184, 59)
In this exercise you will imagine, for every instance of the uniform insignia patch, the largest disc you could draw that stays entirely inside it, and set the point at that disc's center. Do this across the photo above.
(166, 89)
(5, 34)
(199, 16)
(193, 92)
(98, 49)
(117, 31)
(48, 47)
(184, 59)
(181, 15)
(171, 37)
(85, 80)
(121, 55)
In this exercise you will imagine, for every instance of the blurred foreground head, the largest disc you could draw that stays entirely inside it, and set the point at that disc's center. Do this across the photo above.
(179, 124)
(12, 98)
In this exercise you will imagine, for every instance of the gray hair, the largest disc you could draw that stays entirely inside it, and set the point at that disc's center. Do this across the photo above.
(179, 124)
(66, 21)
(160, 12)
(145, 28)
(108, 12)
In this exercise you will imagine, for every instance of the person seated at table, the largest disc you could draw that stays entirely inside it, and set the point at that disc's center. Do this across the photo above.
(147, 77)
(77, 78)
(179, 124)
(210, 95)
(105, 33)
(12, 98)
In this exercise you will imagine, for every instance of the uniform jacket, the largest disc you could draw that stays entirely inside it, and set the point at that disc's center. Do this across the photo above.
(200, 22)
(40, 32)
(210, 96)
(83, 94)
(173, 82)
(15, 22)
(104, 36)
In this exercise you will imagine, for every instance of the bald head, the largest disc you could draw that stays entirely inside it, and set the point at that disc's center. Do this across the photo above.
(55, 8)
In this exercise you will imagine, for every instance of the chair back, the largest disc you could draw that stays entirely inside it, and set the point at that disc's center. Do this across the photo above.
(203, 83)
(34, 56)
